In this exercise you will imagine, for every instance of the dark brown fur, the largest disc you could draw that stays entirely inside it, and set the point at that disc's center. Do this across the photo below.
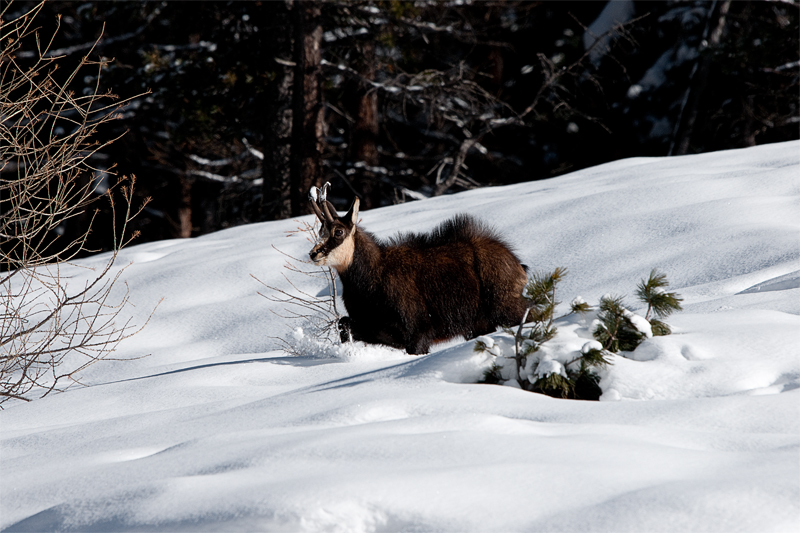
(417, 289)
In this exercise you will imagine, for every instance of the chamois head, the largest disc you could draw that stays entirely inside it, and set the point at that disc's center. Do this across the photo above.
(336, 245)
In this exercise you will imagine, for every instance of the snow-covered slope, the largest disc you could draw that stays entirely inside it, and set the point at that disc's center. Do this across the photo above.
(217, 430)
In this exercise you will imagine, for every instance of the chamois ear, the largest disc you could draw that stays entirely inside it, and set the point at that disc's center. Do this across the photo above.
(352, 215)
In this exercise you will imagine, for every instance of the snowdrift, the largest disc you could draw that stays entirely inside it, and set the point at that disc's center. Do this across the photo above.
(218, 430)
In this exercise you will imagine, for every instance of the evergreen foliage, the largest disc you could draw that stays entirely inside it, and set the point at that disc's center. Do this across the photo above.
(579, 305)
(574, 380)
(541, 295)
(594, 357)
(587, 386)
(658, 301)
(660, 328)
(615, 329)
(555, 385)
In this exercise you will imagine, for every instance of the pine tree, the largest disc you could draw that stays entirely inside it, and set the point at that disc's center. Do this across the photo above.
(614, 328)
(579, 305)
(541, 295)
(575, 379)
(540, 292)
(618, 329)
(662, 303)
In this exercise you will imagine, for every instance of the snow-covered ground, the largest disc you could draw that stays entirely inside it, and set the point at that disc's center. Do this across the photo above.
(218, 430)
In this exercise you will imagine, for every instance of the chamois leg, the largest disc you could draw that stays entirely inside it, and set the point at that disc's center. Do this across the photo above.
(345, 326)
(482, 325)
(420, 347)
(418, 344)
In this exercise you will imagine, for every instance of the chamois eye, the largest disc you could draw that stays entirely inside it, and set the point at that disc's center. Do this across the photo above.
(339, 233)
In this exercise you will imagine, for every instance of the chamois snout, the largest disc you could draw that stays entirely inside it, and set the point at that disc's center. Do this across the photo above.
(319, 252)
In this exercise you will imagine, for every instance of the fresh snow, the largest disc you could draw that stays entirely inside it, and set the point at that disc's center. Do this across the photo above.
(547, 365)
(219, 430)
(591, 345)
(639, 322)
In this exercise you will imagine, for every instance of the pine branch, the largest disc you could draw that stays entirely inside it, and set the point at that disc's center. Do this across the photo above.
(658, 301)
(614, 329)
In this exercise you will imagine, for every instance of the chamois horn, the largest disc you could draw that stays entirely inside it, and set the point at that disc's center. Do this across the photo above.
(329, 209)
(320, 205)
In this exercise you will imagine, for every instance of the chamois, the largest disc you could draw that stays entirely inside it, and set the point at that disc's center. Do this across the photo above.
(417, 289)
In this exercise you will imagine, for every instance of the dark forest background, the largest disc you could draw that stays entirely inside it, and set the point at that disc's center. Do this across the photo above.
(248, 104)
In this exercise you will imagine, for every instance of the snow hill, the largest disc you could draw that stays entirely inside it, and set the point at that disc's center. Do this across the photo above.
(218, 430)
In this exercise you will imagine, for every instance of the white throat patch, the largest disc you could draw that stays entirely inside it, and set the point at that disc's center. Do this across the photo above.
(342, 256)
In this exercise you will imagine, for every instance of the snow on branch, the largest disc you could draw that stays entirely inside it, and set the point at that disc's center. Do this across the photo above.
(786, 66)
(252, 175)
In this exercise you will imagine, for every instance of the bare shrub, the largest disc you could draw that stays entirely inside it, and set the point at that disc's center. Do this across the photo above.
(318, 314)
(53, 326)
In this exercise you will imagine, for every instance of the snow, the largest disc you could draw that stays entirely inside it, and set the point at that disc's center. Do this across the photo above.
(219, 430)
(591, 345)
(639, 322)
(547, 365)
(614, 13)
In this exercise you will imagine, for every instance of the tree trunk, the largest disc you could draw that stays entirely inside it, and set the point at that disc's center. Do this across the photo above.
(307, 118)
(184, 226)
(365, 129)
(278, 120)
(697, 84)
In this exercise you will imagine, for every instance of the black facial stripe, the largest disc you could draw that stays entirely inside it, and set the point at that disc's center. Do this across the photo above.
(328, 246)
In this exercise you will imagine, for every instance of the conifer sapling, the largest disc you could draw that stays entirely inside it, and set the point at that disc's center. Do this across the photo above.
(658, 300)
(619, 329)
(574, 379)
(615, 329)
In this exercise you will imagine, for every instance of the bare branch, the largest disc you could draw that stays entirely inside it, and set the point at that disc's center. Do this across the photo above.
(320, 312)
(52, 327)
